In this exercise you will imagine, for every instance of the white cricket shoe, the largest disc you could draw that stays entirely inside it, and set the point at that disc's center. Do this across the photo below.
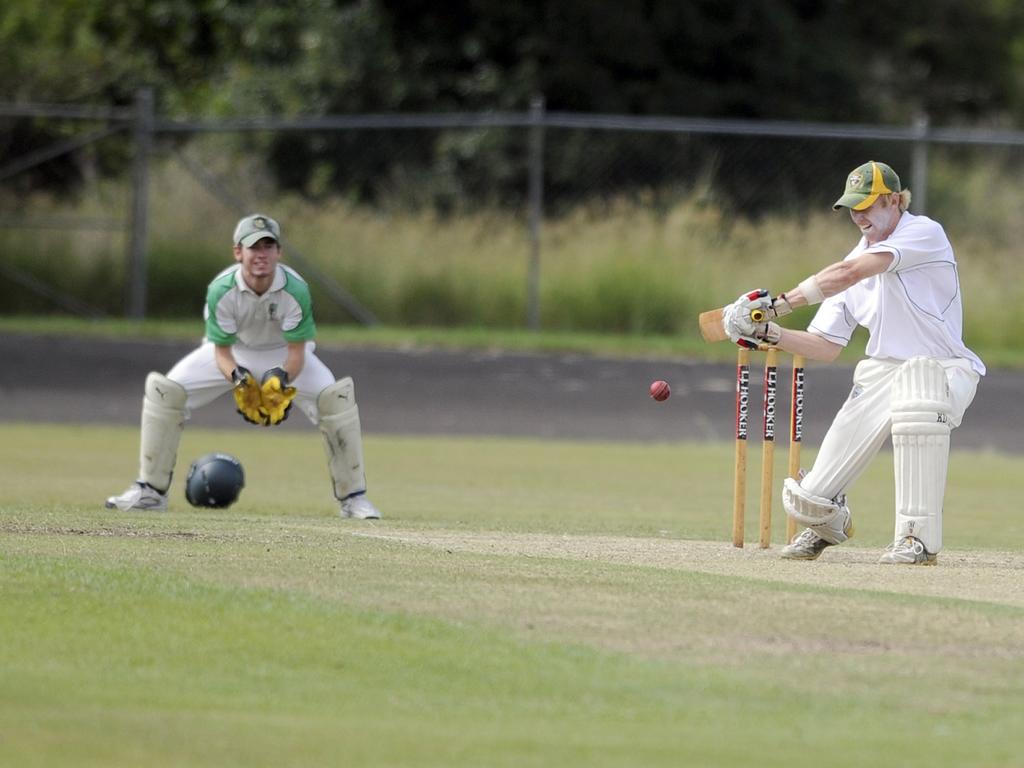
(907, 551)
(809, 545)
(359, 507)
(139, 496)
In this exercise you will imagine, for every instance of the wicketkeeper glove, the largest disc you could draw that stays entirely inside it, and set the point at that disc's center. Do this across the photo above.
(248, 396)
(277, 396)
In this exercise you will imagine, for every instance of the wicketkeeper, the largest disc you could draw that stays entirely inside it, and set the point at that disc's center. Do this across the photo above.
(259, 346)
(901, 283)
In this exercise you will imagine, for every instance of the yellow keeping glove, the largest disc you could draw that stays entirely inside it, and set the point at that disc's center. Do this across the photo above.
(277, 396)
(247, 396)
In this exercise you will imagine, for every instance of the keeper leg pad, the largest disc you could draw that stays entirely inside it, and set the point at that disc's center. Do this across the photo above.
(163, 419)
(826, 517)
(921, 409)
(343, 440)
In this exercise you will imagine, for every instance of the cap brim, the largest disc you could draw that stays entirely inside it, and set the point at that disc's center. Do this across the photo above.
(250, 240)
(853, 200)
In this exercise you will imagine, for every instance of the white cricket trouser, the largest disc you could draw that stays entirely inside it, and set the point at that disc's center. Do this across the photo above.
(198, 373)
(865, 421)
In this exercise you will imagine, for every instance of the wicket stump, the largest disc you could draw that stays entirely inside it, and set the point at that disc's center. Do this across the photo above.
(768, 414)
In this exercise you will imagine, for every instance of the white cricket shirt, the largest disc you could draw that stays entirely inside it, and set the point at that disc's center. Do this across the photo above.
(911, 309)
(234, 314)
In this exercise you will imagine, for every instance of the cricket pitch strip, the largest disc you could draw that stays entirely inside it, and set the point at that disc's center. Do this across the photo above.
(980, 576)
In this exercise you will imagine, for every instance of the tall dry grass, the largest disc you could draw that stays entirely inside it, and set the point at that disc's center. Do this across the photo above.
(616, 266)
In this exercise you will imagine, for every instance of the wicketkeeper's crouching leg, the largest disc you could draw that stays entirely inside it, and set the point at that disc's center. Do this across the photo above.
(343, 441)
(163, 419)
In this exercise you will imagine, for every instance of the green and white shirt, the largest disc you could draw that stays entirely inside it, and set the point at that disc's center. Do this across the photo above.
(236, 315)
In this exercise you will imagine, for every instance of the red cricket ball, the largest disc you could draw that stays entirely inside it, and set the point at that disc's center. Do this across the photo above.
(660, 390)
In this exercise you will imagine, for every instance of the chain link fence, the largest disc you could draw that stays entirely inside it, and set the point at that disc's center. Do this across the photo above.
(371, 202)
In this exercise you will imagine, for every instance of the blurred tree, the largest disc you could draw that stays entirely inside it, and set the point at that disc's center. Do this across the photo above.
(771, 59)
(99, 54)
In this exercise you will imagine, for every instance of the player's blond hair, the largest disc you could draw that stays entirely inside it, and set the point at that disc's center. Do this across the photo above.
(904, 199)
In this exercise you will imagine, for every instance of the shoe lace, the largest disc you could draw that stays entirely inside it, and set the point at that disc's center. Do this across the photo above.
(906, 544)
(806, 539)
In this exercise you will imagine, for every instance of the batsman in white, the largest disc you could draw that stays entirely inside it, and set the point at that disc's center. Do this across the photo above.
(258, 345)
(901, 283)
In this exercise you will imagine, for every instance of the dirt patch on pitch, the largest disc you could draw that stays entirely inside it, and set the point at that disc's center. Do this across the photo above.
(988, 576)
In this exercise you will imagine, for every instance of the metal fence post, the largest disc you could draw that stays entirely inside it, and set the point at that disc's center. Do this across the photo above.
(536, 176)
(919, 165)
(135, 272)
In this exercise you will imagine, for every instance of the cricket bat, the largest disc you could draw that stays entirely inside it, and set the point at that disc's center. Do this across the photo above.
(712, 328)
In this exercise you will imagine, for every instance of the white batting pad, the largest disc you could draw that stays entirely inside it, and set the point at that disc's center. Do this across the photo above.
(163, 419)
(921, 408)
(824, 516)
(343, 440)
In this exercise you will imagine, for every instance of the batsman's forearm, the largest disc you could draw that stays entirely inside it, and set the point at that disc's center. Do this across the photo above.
(836, 278)
(809, 291)
(833, 279)
(810, 345)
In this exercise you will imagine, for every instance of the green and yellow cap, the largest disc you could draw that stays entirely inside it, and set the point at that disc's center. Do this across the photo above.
(865, 183)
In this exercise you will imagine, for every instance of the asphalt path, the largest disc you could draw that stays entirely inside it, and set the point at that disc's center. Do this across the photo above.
(417, 391)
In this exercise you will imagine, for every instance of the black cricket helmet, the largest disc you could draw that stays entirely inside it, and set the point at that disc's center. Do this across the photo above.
(214, 480)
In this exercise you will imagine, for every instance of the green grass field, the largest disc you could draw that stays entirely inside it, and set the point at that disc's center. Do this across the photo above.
(523, 603)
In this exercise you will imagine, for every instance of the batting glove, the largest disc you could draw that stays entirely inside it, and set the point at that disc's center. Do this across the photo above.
(748, 320)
